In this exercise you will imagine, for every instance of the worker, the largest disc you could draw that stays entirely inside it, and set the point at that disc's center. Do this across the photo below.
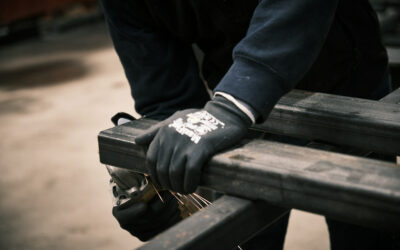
(254, 53)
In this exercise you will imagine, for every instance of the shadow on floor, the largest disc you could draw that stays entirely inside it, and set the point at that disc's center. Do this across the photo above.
(41, 74)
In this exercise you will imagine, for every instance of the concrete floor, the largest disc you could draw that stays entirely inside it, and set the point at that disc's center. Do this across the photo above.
(56, 94)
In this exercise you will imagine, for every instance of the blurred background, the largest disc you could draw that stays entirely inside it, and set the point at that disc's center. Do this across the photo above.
(60, 82)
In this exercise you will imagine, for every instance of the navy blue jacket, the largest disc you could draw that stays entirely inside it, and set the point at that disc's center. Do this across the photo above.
(254, 50)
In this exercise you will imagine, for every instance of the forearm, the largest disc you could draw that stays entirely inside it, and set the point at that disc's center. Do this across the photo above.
(283, 40)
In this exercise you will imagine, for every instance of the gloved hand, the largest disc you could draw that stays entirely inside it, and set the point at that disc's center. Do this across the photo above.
(146, 220)
(183, 143)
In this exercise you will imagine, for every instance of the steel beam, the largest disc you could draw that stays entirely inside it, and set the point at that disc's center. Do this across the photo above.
(225, 224)
(348, 188)
(393, 97)
(360, 123)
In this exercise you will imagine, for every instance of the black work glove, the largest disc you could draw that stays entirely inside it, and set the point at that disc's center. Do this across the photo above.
(146, 220)
(182, 144)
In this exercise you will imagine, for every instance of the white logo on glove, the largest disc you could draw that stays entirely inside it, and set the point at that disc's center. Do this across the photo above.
(196, 125)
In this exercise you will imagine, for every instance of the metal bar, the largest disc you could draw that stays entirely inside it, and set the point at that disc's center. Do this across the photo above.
(353, 189)
(393, 97)
(360, 123)
(225, 224)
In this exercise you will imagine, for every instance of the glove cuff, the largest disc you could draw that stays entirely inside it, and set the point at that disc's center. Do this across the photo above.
(249, 111)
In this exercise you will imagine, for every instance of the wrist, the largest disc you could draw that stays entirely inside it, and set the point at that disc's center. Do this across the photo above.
(243, 106)
(232, 112)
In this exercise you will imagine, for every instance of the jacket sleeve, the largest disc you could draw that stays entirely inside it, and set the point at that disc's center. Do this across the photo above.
(283, 40)
(161, 70)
